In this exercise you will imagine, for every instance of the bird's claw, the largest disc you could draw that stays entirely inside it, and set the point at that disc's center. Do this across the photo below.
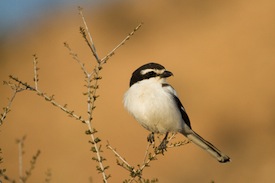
(151, 138)
(162, 147)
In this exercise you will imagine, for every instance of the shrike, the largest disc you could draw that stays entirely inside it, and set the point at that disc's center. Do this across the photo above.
(155, 105)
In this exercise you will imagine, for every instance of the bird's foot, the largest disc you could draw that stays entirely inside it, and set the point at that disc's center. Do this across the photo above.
(162, 147)
(151, 138)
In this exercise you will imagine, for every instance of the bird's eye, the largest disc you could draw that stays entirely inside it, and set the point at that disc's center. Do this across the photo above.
(149, 74)
(152, 73)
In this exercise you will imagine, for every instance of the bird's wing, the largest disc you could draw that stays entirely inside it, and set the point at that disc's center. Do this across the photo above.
(184, 115)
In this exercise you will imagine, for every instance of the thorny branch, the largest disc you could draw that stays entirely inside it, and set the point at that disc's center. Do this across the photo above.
(48, 98)
(16, 88)
(24, 175)
(91, 42)
(151, 154)
(109, 55)
(92, 85)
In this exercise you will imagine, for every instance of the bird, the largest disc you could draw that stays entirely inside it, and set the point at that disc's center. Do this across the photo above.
(155, 105)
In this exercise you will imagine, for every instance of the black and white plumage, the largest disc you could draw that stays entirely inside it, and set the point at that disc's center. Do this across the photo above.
(155, 105)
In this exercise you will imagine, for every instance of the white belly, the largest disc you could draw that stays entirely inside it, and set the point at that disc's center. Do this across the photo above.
(153, 107)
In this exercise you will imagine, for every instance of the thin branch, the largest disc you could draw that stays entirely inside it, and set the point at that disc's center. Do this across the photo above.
(147, 151)
(48, 176)
(91, 94)
(157, 151)
(1, 159)
(92, 88)
(118, 155)
(137, 172)
(16, 89)
(112, 52)
(92, 45)
(35, 69)
(89, 100)
(21, 152)
(75, 57)
(49, 99)
(5, 176)
(92, 97)
(109, 55)
(32, 166)
(7, 109)
(99, 159)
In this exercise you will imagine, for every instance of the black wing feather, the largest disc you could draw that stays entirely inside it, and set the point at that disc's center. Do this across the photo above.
(182, 111)
(180, 106)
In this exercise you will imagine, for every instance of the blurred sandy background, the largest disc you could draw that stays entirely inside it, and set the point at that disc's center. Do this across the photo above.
(222, 54)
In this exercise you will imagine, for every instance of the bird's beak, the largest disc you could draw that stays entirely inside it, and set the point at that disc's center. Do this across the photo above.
(166, 74)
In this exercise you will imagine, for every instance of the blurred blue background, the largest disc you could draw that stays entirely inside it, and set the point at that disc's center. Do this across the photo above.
(16, 15)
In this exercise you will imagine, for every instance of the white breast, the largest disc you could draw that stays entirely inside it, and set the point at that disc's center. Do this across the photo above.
(153, 106)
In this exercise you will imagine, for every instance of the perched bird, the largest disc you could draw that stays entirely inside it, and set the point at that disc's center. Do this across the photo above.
(155, 105)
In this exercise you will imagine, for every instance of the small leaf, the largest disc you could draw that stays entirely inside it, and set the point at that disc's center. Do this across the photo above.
(93, 149)
(97, 140)
(88, 132)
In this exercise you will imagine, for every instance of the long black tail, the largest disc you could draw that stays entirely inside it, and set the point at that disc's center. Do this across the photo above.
(210, 148)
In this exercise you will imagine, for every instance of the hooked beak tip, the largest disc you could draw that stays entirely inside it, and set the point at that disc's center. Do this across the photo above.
(167, 74)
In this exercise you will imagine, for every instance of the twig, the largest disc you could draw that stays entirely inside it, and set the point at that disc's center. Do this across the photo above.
(5, 177)
(148, 157)
(7, 109)
(157, 151)
(48, 176)
(1, 159)
(109, 55)
(32, 166)
(75, 57)
(146, 152)
(119, 156)
(16, 89)
(91, 95)
(49, 99)
(35, 69)
(94, 76)
(21, 152)
(92, 45)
